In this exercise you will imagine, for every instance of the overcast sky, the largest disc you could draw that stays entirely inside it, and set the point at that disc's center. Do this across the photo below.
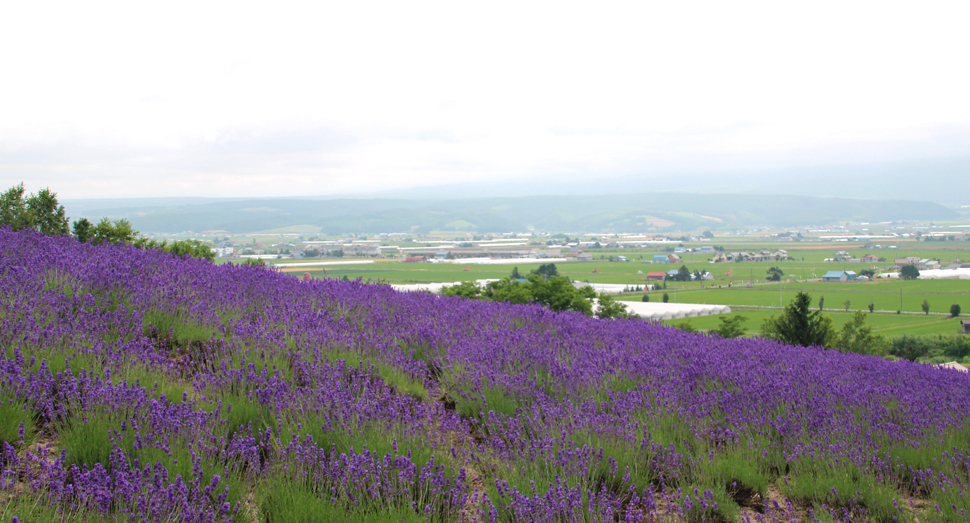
(202, 99)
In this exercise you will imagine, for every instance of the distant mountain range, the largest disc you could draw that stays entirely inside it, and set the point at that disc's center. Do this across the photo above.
(641, 212)
(940, 180)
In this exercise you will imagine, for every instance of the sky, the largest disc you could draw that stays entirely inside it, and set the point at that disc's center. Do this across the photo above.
(285, 99)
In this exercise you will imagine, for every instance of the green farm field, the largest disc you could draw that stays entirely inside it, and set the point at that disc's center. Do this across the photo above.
(755, 302)
(885, 296)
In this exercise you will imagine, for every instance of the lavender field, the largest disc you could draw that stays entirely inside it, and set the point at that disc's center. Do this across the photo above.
(137, 386)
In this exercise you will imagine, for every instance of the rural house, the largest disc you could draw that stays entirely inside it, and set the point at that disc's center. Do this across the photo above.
(656, 276)
(910, 260)
(839, 276)
(966, 326)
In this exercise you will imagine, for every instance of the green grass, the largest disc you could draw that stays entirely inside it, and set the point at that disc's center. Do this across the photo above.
(884, 297)
(288, 501)
(14, 419)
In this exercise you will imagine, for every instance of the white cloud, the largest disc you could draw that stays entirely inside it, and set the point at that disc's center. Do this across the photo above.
(209, 99)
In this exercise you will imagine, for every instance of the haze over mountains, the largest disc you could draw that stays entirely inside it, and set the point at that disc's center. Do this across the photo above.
(660, 212)
(900, 191)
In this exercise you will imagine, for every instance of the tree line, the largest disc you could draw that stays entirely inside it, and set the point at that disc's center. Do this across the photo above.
(546, 287)
(42, 213)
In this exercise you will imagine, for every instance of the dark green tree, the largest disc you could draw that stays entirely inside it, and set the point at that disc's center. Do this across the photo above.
(546, 270)
(954, 310)
(798, 325)
(857, 337)
(609, 308)
(821, 302)
(731, 326)
(909, 272)
(46, 215)
(666, 298)
(868, 273)
(515, 274)
(683, 274)
(465, 289)
(645, 298)
(872, 306)
(39, 212)
(13, 208)
(775, 274)
(509, 291)
(558, 294)
(189, 248)
(83, 230)
(926, 307)
(116, 232)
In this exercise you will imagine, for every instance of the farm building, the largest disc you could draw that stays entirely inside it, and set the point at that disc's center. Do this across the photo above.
(656, 276)
(415, 259)
(660, 258)
(839, 276)
(671, 311)
(870, 258)
(584, 257)
(966, 326)
(910, 260)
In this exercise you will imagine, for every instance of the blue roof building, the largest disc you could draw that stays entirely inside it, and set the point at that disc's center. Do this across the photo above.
(839, 276)
(660, 258)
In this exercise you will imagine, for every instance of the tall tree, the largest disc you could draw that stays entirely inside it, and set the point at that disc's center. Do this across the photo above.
(83, 230)
(39, 212)
(119, 231)
(547, 270)
(857, 337)
(799, 325)
(909, 272)
(13, 209)
(46, 215)
(683, 274)
(731, 326)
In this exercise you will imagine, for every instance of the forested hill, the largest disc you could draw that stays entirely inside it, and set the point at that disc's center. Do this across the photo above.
(661, 212)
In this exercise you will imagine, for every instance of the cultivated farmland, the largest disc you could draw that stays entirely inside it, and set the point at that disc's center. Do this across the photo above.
(139, 386)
